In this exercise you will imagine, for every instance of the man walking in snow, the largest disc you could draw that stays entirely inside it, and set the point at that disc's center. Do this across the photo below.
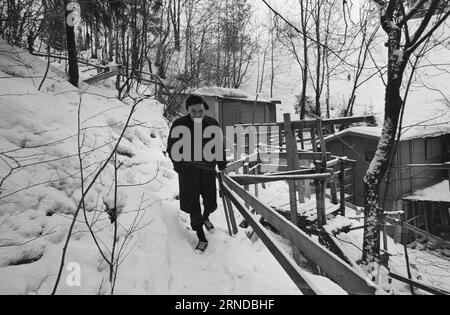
(195, 167)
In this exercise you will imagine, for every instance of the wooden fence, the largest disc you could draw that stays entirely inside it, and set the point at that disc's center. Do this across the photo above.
(296, 167)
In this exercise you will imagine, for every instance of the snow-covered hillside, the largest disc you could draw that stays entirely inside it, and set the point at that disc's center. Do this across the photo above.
(41, 191)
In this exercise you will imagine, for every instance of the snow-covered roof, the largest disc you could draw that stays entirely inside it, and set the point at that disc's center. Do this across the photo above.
(439, 193)
(371, 132)
(428, 128)
(232, 93)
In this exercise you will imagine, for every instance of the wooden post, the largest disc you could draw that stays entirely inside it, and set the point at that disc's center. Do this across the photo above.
(291, 146)
(313, 139)
(323, 144)
(425, 218)
(229, 205)
(302, 137)
(280, 138)
(247, 145)
(342, 186)
(246, 172)
(321, 185)
(320, 200)
(246, 168)
(258, 172)
(333, 192)
(408, 267)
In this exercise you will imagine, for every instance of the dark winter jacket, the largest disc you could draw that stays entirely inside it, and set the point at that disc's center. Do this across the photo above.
(180, 166)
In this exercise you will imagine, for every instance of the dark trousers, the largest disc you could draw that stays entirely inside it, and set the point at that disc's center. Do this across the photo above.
(193, 183)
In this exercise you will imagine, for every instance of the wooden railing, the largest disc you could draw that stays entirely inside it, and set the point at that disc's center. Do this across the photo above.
(298, 167)
(349, 278)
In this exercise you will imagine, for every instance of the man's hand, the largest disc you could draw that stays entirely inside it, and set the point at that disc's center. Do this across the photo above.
(176, 167)
(222, 165)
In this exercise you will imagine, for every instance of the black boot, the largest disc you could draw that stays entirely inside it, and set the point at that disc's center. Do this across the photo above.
(209, 226)
(203, 242)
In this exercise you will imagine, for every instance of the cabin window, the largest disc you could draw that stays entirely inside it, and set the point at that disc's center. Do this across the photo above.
(369, 155)
(432, 148)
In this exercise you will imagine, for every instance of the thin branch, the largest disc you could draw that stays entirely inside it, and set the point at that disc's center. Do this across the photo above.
(133, 109)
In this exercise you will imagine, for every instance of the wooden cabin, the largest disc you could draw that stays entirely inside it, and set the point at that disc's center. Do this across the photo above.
(232, 107)
(425, 147)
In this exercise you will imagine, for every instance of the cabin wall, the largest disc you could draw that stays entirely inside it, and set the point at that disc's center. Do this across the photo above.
(403, 180)
(418, 151)
(446, 140)
(234, 112)
(359, 149)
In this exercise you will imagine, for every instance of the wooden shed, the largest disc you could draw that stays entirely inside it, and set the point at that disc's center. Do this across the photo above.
(231, 107)
(360, 144)
(429, 209)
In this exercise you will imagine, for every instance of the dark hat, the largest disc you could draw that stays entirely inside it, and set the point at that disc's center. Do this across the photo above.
(195, 100)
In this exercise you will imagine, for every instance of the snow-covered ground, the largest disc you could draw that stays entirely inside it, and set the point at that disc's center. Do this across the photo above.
(38, 130)
(431, 267)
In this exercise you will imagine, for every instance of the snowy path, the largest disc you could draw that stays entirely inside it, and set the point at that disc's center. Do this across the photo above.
(231, 265)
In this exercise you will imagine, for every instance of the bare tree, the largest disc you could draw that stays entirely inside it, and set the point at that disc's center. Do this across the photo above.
(366, 37)
(406, 31)
(71, 44)
(175, 12)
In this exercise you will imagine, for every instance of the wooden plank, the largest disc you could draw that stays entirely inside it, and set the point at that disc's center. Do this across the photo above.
(291, 146)
(425, 218)
(299, 277)
(230, 209)
(270, 168)
(280, 125)
(342, 188)
(259, 179)
(346, 187)
(333, 162)
(246, 171)
(333, 192)
(302, 138)
(256, 172)
(338, 244)
(102, 76)
(306, 155)
(433, 166)
(416, 230)
(336, 269)
(234, 166)
(331, 122)
(320, 203)
(314, 142)
(323, 144)
(306, 183)
(321, 184)
(296, 172)
(418, 285)
(345, 160)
